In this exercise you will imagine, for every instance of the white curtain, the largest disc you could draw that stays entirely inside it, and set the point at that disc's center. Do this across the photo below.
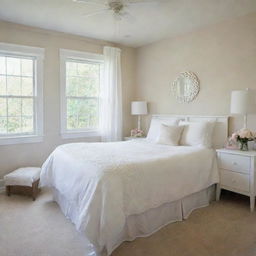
(111, 96)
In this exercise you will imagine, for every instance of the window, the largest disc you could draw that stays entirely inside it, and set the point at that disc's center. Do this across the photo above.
(20, 94)
(80, 83)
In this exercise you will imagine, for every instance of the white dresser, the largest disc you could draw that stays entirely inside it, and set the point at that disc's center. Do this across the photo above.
(237, 172)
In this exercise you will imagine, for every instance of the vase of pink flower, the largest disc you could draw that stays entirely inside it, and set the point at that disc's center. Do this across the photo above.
(243, 136)
(137, 133)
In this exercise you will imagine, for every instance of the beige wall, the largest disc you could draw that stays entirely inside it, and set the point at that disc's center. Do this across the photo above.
(223, 56)
(13, 156)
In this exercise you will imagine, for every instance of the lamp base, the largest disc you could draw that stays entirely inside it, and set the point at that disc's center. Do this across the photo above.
(245, 121)
(139, 121)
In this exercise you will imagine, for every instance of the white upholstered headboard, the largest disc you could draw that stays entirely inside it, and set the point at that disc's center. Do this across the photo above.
(220, 133)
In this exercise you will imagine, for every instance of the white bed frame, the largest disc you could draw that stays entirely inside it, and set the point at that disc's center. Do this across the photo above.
(220, 133)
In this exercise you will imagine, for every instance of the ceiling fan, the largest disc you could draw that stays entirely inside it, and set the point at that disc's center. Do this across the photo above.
(117, 7)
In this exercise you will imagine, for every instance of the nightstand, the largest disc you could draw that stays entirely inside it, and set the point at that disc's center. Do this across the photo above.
(134, 138)
(237, 173)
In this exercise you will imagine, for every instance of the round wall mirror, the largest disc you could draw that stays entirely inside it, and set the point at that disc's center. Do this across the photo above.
(186, 87)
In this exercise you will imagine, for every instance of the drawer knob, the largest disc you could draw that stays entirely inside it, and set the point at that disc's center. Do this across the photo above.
(234, 163)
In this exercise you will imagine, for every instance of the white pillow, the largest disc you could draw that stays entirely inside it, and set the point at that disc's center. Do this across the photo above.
(197, 133)
(169, 135)
(155, 124)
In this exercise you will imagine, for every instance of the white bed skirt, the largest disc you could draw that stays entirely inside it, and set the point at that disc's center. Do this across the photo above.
(147, 223)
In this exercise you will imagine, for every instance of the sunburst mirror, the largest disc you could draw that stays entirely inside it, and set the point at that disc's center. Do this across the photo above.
(186, 87)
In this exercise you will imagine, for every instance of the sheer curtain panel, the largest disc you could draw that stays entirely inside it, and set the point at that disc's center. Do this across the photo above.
(111, 96)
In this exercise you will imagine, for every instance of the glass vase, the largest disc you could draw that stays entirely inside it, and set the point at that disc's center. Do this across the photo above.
(244, 145)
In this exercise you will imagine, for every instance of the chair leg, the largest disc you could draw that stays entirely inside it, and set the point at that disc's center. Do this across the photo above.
(8, 190)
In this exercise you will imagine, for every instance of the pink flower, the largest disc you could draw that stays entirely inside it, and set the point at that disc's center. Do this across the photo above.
(136, 132)
(234, 136)
(245, 133)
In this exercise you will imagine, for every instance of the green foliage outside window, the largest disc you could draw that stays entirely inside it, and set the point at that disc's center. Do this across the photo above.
(16, 95)
(82, 94)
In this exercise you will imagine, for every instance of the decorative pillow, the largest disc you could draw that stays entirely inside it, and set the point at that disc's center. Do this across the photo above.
(197, 133)
(169, 135)
(155, 124)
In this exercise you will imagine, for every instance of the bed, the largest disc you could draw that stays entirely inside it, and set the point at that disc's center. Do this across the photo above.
(117, 191)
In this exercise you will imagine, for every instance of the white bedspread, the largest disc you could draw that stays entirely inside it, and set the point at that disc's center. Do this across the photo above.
(103, 183)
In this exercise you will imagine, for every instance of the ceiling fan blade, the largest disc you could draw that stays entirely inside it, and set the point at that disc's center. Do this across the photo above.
(90, 2)
(95, 13)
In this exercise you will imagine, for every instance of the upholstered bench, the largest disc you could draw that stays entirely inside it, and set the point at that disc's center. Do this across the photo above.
(23, 181)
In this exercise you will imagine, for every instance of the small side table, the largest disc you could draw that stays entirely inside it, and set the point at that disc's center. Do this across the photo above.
(237, 173)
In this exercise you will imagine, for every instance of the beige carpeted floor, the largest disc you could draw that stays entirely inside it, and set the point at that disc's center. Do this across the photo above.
(225, 228)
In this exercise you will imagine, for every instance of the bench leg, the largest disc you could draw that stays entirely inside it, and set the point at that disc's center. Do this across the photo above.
(8, 190)
(218, 191)
(35, 189)
(252, 202)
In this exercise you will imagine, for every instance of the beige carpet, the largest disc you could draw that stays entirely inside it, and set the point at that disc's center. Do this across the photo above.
(225, 228)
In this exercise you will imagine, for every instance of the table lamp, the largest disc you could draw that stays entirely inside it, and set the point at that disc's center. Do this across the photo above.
(139, 108)
(243, 103)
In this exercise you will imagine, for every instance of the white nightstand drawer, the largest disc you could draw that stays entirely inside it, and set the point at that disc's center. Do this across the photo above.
(236, 163)
(235, 180)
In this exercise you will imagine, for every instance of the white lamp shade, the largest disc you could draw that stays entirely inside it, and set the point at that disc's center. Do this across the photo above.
(139, 108)
(243, 102)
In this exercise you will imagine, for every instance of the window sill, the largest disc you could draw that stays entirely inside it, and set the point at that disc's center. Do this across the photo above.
(21, 139)
(86, 134)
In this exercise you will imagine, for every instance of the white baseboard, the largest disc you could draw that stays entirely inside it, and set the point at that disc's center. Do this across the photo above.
(1, 185)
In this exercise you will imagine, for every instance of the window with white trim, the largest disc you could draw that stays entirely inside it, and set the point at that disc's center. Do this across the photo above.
(20, 94)
(81, 79)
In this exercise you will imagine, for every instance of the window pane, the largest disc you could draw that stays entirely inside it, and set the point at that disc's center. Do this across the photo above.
(3, 109)
(2, 85)
(26, 67)
(72, 107)
(14, 125)
(13, 66)
(87, 122)
(71, 68)
(83, 86)
(71, 86)
(83, 69)
(92, 87)
(27, 124)
(82, 108)
(13, 86)
(2, 65)
(17, 85)
(14, 107)
(27, 107)
(3, 124)
(71, 122)
(27, 86)
(86, 82)
(94, 70)
(82, 113)
(83, 82)
(88, 87)
(88, 69)
(92, 113)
